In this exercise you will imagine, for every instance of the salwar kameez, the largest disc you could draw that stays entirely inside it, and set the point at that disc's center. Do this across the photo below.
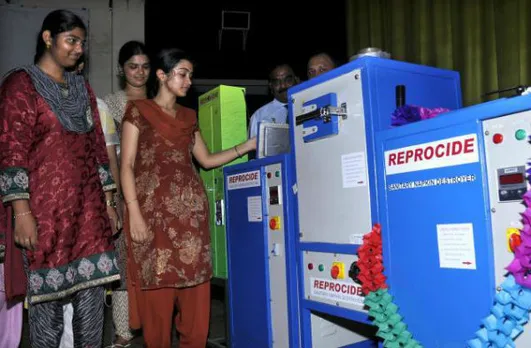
(63, 175)
(172, 269)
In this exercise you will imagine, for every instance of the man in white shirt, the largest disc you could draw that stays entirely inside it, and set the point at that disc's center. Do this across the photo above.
(281, 78)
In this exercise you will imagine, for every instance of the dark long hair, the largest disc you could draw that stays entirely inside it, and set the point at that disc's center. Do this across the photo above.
(57, 22)
(128, 50)
(165, 60)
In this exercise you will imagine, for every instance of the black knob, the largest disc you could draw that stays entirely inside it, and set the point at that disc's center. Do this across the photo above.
(354, 271)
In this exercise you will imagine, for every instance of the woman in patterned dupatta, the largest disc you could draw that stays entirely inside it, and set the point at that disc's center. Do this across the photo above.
(166, 220)
(111, 141)
(53, 174)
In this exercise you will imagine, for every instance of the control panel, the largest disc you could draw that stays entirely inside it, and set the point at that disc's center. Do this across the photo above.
(507, 151)
(277, 254)
(331, 279)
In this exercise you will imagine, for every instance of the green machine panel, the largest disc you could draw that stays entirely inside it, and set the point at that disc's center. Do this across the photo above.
(223, 123)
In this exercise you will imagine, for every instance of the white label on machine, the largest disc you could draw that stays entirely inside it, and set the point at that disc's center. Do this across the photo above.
(353, 169)
(436, 154)
(254, 209)
(335, 290)
(456, 246)
(243, 180)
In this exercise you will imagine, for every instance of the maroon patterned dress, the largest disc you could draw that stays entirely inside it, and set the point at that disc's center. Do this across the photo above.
(172, 200)
(63, 175)
(173, 204)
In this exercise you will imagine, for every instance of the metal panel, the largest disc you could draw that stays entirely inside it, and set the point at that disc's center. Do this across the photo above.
(419, 204)
(262, 280)
(320, 286)
(443, 225)
(249, 295)
(322, 166)
(277, 255)
(222, 120)
(509, 157)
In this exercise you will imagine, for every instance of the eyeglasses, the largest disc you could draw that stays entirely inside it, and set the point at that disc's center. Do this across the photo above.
(287, 80)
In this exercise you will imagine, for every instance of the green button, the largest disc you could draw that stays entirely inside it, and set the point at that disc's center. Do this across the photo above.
(321, 268)
(520, 134)
(277, 173)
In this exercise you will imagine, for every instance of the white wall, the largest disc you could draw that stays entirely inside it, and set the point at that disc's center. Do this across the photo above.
(108, 31)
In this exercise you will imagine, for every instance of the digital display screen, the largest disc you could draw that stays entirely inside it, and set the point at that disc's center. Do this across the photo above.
(273, 195)
(511, 179)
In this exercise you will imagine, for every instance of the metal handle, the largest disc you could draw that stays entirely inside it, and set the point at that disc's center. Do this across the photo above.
(325, 113)
(219, 213)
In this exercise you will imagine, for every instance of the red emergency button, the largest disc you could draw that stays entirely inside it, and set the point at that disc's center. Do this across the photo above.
(514, 241)
(274, 223)
(334, 271)
(497, 138)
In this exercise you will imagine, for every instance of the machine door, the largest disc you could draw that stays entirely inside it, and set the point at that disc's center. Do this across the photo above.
(248, 261)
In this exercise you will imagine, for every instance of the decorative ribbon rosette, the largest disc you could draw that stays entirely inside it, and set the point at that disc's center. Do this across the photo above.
(370, 262)
(382, 310)
(411, 113)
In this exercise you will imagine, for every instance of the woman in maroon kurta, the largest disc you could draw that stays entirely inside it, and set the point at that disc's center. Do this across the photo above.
(53, 174)
(167, 210)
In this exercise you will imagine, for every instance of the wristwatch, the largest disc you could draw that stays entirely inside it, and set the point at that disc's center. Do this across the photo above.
(110, 203)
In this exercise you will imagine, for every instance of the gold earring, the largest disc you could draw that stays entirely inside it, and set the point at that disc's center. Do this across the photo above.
(48, 45)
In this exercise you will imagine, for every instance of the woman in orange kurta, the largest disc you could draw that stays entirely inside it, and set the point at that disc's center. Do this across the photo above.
(169, 260)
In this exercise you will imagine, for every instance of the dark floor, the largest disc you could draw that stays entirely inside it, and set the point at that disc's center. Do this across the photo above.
(217, 324)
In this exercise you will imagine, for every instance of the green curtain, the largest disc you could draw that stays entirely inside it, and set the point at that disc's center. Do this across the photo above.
(486, 41)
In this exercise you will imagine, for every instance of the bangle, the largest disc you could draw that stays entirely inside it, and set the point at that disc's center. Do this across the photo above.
(131, 201)
(237, 152)
(22, 214)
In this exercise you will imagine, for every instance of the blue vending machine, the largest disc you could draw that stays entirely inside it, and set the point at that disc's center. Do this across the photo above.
(334, 118)
(262, 283)
(450, 202)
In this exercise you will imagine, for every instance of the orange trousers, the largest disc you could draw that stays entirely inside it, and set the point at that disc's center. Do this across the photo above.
(191, 322)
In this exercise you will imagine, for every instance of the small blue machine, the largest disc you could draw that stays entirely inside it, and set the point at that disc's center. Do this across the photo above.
(262, 283)
(334, 118)
(450, 198)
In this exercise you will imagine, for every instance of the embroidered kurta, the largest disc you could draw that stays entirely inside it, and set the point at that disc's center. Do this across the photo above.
(63, 175)
(172, 201)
